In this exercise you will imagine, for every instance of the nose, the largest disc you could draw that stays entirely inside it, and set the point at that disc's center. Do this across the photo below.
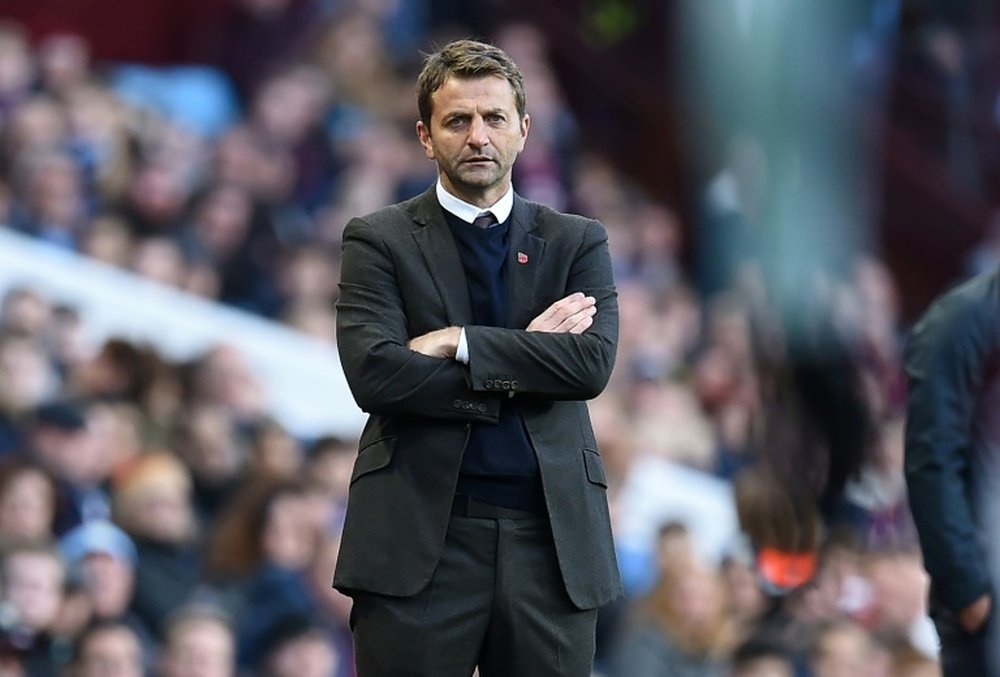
(477, 133)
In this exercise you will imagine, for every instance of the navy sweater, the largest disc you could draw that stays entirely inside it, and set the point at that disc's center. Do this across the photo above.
(499, 464)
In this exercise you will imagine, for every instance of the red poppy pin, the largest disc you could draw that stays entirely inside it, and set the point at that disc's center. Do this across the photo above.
(522, 257)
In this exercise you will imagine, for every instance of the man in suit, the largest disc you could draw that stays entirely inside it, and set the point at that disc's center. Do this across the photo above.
(953, 468)
(472, 325)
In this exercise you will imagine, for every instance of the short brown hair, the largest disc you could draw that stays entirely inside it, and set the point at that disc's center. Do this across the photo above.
(466, 59)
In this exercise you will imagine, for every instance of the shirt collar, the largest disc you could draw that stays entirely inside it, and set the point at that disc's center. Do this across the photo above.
(468, 212)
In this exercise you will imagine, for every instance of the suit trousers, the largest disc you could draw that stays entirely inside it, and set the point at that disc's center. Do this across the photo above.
(496, 600)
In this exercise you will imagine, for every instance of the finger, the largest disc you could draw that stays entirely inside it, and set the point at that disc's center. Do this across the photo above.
(582, 326)
(575, 318)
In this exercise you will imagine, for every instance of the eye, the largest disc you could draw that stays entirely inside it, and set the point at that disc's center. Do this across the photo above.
(495, 118)
(456, 122)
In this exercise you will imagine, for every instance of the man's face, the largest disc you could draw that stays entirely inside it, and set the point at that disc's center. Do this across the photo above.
(474, 135)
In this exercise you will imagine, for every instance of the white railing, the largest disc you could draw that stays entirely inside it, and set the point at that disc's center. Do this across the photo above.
(302, 378)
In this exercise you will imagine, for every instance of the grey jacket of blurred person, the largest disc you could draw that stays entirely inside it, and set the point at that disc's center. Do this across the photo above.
(402, 277)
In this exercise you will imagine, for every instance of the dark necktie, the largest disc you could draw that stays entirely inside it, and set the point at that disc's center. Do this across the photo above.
(484, 221)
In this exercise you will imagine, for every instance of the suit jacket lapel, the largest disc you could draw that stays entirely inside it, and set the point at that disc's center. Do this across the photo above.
(523, 261)
(440, 252)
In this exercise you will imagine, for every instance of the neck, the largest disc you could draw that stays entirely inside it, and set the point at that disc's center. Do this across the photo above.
(482, 198)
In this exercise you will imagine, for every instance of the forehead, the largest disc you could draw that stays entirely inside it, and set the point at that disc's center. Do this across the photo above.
(488, 92)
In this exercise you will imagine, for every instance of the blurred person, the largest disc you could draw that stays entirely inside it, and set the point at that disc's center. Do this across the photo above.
(100, 141)
(353, 53)
(429, 487)
(734, 202)
(27, 504)
(908, 662)
(266, 541)
(109, 240)
(63, 61)
(102, 561)
(951, 474)
(328, 466)
(299, 647)
(60, 440)
(116, 429)
(274, 452)
(198, 642)
(27, 378)
(119, 370)
(107, 649)
(878, 332)
(26, 310)
(263, 167)
(69, 341)
(308, 274)
(251, 38)
(899, 586)
(16, 67)
(288, 109)
(227, 231)
(681, 626)
(759, 657)
(747, 602)
(215, 451)
(221, 376)
(155, 201)
(669, 424)
(875, 502)
(844, 649)
(53, 203)
(159, 259)
(334, 607)
(317, 320)
(35, 124)
(152, 503)
(33, 586)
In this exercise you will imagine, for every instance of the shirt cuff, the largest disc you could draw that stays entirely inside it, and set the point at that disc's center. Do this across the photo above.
(462, 352)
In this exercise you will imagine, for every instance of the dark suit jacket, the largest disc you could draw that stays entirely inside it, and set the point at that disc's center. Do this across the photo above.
(401, 277)
(953, 366)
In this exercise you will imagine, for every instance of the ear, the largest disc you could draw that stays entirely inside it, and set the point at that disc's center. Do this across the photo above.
(424, 135)
(525, 124)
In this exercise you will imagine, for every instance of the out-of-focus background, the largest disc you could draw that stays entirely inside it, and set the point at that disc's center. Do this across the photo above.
(786, 185)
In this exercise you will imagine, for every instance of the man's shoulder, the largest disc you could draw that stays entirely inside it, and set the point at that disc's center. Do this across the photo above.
(975, 297)
(966, 316)
(544, 216)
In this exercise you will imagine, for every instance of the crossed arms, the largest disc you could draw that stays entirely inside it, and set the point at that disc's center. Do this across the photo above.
(566, 352)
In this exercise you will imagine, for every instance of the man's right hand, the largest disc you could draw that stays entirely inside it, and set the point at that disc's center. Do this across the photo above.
(974, 616)
(573, 315)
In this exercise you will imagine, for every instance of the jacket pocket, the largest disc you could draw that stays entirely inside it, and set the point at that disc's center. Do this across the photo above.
(595, 467)
(373, 456)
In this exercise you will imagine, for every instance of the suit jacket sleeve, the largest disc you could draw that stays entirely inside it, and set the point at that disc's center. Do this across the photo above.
(557, 366)
(945, 360)
(384, 375)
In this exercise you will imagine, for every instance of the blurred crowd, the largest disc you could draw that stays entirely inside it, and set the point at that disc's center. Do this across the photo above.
(155, 520)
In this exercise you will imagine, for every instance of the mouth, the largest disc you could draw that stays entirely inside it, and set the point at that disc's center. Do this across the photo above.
(478, 160)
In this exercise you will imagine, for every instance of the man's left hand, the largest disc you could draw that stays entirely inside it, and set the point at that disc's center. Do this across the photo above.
(441, 343)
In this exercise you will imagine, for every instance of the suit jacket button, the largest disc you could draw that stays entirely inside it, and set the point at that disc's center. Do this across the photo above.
(481, 408)
(457, 404)
(489, 384)
(505, 385)
(513, 385)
